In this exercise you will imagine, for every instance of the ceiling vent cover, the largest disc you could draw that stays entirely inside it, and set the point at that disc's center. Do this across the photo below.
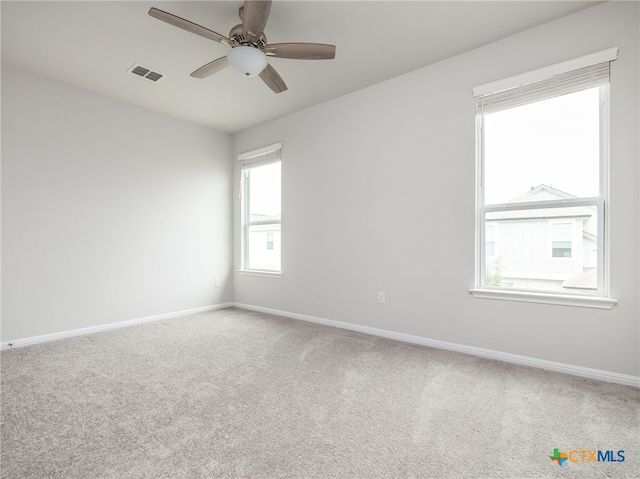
(145, 72)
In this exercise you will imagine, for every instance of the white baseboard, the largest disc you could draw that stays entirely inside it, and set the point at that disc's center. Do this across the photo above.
(18, 343)
(590, 373)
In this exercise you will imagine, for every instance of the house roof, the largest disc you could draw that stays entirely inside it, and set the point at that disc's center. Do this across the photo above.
(586, 280)
(541, 193)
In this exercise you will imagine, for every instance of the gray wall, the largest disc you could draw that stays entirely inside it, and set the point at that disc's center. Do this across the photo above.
(109, 212)
(378, 194)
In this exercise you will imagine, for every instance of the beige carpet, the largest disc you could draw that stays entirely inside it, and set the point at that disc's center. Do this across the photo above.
(233, 393)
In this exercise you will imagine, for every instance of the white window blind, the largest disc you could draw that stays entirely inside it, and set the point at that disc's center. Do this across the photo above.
(567, 77)
(262, 156)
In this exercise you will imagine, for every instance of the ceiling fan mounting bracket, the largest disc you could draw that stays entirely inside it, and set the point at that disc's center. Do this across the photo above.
(237, 38)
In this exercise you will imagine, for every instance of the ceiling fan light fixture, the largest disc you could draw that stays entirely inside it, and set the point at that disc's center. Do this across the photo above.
(249, 61)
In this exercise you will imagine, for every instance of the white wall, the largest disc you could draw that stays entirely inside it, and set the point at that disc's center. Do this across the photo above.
(109, 212)
(378, 195)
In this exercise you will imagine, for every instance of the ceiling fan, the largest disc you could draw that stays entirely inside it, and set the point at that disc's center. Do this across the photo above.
(249, 47)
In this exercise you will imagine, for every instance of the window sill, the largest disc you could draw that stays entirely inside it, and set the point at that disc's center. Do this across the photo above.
(264, 274)
(545, 298)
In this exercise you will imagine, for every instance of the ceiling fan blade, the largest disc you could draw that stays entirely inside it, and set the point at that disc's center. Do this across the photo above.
(270, 76)
(188, 26)
(254, 18)
(211, 68)
(301, 51)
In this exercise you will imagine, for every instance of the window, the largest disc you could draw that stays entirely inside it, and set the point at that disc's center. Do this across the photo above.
(561, 234)
(542, 182)
(261, 210)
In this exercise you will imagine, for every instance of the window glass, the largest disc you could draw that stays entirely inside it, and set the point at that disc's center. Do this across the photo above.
(490, 241)
(264, 192)
(523, 261)
(553, 142)
(262, 218)
(261, 256)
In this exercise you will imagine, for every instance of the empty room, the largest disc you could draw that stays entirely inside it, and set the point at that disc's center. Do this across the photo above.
(320, 239)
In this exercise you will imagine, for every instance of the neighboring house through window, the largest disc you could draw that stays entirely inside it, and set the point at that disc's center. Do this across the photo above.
(537, 248)
(542, 180)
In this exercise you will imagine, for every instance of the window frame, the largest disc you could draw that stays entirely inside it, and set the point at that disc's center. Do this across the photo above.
(254, 159)
(601, 299)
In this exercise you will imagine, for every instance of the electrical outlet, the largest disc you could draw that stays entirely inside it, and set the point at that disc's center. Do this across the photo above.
(216, 282)
(380, 297)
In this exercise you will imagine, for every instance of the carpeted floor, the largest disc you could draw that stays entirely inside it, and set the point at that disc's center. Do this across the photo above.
(233, 393)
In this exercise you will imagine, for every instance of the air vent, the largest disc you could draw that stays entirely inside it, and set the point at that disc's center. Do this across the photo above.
(145, 72)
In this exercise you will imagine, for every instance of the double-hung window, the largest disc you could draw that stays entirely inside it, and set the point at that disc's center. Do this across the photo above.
(542, 187)
(261, 210)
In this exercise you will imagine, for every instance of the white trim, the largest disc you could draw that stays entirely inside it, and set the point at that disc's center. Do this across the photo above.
(580, 371)
(542, 205)
(265, 274)
(545, 298)
(45, 338)
(603, 259)
(546, 72)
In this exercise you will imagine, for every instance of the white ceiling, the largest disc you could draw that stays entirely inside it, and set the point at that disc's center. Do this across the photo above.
(92, 44)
